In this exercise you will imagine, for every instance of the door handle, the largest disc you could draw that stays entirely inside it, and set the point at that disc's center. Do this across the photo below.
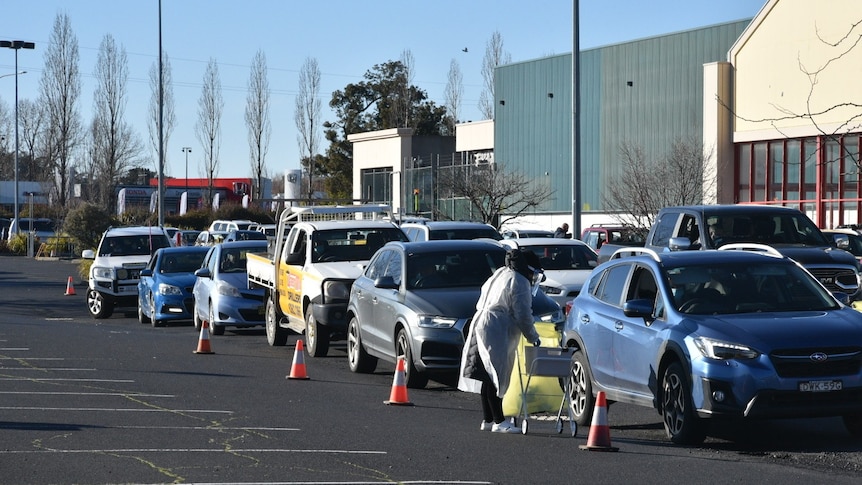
(618, 325)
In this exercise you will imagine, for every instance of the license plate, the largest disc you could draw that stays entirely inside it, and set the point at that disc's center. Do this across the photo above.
(820, 386)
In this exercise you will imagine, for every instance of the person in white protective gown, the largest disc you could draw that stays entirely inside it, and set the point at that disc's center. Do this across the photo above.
(503, 314)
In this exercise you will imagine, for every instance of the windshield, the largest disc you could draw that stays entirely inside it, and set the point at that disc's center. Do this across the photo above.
(454, 268)
(564, 256)
(182, 262)
(766, 229)
(138, 245)
(736, 288)
(351, 244)
(469, 233)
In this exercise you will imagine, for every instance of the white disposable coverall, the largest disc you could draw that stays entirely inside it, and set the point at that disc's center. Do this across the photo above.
(503, 313)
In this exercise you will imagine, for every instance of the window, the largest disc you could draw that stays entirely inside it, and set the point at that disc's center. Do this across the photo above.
(613, 283)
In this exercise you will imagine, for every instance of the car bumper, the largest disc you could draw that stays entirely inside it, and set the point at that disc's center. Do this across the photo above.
(332, 315)
(239, 312)
(756, 391)
(438, 350)
(174, 307)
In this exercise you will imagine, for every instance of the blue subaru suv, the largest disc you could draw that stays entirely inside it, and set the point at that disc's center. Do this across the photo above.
(736, 333)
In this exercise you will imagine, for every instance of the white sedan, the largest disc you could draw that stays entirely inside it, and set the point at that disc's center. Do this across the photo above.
(566, 262)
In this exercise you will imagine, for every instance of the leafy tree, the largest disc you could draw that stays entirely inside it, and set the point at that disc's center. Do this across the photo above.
(86, 223)
(377, 103)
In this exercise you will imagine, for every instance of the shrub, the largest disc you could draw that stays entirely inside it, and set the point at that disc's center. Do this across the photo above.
(18, 243)
(85, 225)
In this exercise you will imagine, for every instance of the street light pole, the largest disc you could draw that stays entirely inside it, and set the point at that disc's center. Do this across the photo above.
(16, 44)
(187, 150)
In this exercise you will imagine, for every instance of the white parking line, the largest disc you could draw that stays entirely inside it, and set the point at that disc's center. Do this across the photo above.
(47, 379)
(63, 369)
(117, 410)
(48, 393)
(14, 349)
(197, 450)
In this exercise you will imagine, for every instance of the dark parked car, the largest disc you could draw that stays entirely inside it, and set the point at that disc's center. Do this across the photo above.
(245, 235)
(416, 300)
(165, 287)
(715, 334)
(221, 292)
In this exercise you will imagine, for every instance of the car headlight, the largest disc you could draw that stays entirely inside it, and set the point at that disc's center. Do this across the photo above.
(551, 290)
(335, 290)
(435, 321)
(227, 289)
(165, 289)
(103, 273)
(717, 349)
(552, 317)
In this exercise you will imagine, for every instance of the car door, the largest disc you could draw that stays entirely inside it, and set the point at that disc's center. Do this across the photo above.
(146, 285)
(204, 285)
(364, 296)
(386, 304)
(599, 319)
(636, 340)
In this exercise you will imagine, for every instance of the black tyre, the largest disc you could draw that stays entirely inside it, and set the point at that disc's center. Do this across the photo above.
(681, 424)
(357, 358)
(275, 335)
(316, 338)
(581, 390)
(100, 306)
(414, 378)
(853, 423)
(143, 319)
(215, 329)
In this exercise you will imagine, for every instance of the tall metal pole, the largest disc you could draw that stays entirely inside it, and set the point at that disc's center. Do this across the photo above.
(187, 150)
(576, 124)
(161, 188)
(15, 45)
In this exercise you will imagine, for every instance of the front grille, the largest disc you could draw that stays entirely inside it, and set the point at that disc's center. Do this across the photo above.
(839, 361)
(251, 315)
(837, 279)
(252, 296)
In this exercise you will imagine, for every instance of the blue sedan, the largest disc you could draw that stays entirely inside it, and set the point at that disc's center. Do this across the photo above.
(221, 292)
(165, 287)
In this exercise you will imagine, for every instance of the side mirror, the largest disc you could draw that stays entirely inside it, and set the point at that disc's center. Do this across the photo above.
(146, 272)
(386, 282)
(203, 273)
(841, 241)
(639, 308)
(679, 244)
(88, 254)
(296, 258)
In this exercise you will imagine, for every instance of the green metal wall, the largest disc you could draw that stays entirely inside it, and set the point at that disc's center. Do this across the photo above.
(646, 93)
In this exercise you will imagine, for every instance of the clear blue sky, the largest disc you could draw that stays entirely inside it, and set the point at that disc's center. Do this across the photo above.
(347, 37)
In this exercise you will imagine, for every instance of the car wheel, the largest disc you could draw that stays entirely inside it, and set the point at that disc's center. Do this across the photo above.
(275, 335)
(98, 304)
(357, 358)
(853, 424)
(681, 424)
(215, 329)
(581, 390)
(156, 323)
(414, 378)
(143, 319)
(316, 339)
(197, 319)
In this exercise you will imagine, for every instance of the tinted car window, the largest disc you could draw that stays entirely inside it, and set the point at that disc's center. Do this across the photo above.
(613, 283)
(377, 267)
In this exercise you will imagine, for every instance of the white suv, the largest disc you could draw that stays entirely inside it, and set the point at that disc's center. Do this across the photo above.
(114, 274)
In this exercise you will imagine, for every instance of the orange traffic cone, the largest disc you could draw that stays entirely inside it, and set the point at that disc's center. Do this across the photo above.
(600, 433)
(398, 396)
(297, 370)
(204, 340)
(70, 287)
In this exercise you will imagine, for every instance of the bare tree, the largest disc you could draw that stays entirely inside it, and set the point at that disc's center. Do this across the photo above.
(498, 195)
(114, 146)
(454, 92)
(169, 116)
(406, 98)
(31, 120)
(307, 117)
(208, 127)
(643, 185)
(494, 56)
(60, 88)
(257, 119)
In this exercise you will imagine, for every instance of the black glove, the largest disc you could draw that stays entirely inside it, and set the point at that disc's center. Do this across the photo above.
(537, 343)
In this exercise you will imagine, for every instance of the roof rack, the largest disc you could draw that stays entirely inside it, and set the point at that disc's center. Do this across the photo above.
(634, 251)
(762, 248)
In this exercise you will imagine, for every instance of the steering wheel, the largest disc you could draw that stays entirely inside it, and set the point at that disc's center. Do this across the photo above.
(690, 304)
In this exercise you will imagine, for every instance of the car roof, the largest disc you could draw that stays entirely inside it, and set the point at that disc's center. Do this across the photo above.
(544, 241)
(134, 230)
(445, 245)
(735, 208)
(447, 224)
(709, 257)
(253, 243)
(351, 224)
(183, 249)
